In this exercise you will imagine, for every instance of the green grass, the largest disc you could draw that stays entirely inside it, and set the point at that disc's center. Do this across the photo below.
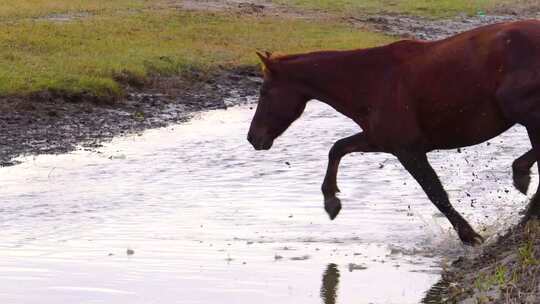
(86, 54)
(44, 8)
(500, 278)
(426, 8)
(527, 254)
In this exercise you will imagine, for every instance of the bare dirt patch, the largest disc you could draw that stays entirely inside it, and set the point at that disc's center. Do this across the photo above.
(64, 17)
(251, 7)
(424, 29)
(209, 5)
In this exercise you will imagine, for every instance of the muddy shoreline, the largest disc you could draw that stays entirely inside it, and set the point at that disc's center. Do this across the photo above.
(50, 123)
(504, 271)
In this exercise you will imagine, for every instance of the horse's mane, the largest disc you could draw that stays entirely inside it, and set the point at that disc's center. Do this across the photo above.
(404, 46)
(284, 58)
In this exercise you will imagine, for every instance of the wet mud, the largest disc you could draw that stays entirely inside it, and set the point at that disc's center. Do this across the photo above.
(504, 271)
(51, 123)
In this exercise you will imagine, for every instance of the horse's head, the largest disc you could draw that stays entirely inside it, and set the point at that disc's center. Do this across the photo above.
(281, 102)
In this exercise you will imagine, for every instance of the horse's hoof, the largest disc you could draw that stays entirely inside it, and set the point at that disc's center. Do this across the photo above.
(473, 240)
(478, 240)
(332, 207)
(521, 182)
(529, 217)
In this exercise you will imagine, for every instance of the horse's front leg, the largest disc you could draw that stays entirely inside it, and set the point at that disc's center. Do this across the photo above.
(418, 166)
(355, 143)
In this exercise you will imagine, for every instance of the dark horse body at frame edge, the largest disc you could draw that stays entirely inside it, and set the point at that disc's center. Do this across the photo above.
(412, 97)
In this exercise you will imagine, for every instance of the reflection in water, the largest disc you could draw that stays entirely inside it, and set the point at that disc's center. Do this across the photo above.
(330, 284)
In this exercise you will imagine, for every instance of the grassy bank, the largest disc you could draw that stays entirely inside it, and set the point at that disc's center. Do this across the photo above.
(424, 8)
(100, 42)
(506, 271)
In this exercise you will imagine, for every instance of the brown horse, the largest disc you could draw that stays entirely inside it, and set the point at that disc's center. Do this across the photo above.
(412, 97)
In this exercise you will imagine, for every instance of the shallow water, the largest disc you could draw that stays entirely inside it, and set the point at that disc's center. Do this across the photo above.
(207, 219)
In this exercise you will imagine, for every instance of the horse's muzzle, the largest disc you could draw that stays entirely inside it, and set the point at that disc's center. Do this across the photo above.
(259, 143)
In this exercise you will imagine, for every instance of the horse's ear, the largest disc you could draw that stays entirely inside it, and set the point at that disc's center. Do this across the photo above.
(266, 63)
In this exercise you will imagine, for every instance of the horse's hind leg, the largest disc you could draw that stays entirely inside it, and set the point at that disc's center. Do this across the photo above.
(418, 166)
(519, 99)
(533, 211)
(521, 171)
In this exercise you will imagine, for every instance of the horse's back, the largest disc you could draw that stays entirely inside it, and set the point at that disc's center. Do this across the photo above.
(453, 85)
(505, 46)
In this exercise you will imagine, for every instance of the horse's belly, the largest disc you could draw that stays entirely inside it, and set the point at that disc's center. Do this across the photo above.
(469, 129)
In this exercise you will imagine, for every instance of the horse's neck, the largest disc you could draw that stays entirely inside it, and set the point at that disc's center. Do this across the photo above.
(345, 81)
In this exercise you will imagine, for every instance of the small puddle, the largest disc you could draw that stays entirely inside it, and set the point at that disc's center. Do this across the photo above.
(192, 214)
